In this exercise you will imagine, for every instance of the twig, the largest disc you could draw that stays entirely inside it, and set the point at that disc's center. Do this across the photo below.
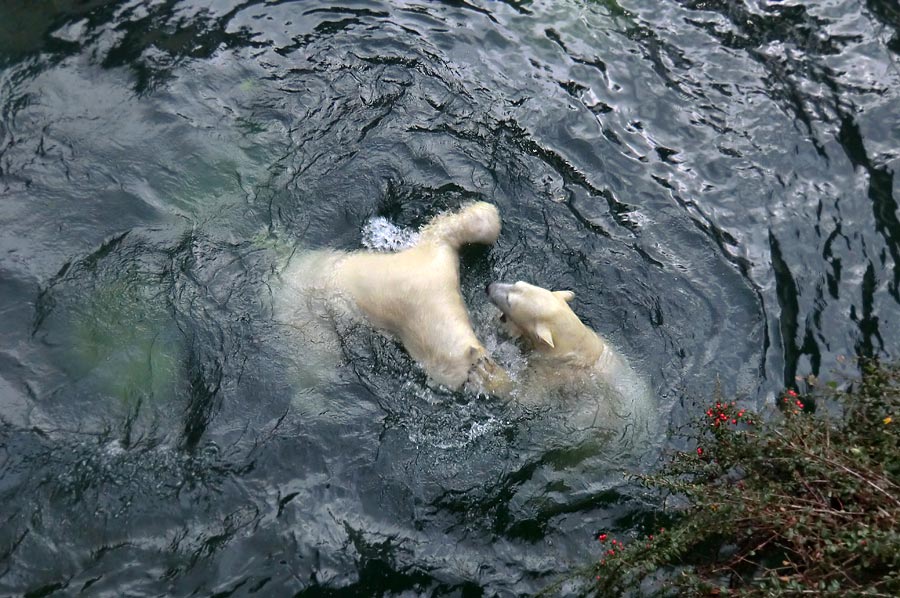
(846, 469)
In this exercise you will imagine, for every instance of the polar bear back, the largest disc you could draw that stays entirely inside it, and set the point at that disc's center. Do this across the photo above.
(412, 295)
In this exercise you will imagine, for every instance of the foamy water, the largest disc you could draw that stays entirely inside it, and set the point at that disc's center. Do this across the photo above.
(380, 234)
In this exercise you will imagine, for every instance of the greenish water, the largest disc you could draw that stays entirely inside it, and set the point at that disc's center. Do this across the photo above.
(715, 180)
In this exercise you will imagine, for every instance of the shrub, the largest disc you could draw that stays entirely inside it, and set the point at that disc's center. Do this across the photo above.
(803, 501)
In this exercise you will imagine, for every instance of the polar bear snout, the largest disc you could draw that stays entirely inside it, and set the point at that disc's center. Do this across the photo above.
(498, 293)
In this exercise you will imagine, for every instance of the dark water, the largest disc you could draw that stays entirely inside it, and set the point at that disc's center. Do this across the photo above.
(715, 180)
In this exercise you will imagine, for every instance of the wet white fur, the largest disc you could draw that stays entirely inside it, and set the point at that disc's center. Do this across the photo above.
(565, 355)
(413, 295)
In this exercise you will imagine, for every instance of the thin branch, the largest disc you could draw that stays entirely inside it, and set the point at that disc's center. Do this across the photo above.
(847, 470)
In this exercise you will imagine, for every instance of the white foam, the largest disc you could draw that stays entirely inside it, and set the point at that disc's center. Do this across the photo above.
(113, 448)
(380, 234)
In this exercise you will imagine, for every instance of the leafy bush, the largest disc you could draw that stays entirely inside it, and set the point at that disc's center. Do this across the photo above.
(801, 502)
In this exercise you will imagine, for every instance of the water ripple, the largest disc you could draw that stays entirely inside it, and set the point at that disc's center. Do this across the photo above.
(714, 180)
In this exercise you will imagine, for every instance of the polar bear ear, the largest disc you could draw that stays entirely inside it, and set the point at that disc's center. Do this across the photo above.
(566, 296)
(543, 332)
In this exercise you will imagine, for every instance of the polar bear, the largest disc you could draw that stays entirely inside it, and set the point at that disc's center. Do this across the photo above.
(412, 295)
(567, 357)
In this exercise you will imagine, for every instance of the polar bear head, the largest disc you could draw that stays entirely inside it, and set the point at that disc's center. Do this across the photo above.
(540, 316)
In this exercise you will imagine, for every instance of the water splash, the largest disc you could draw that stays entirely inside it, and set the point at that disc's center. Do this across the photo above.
(380, 234)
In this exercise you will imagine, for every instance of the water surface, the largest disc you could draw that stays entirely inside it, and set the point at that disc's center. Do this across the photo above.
(714, 179)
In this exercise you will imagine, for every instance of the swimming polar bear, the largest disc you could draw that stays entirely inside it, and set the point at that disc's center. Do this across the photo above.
(413, 295)
(566, 357)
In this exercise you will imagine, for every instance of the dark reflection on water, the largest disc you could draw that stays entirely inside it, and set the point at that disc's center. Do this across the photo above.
(714, 179)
